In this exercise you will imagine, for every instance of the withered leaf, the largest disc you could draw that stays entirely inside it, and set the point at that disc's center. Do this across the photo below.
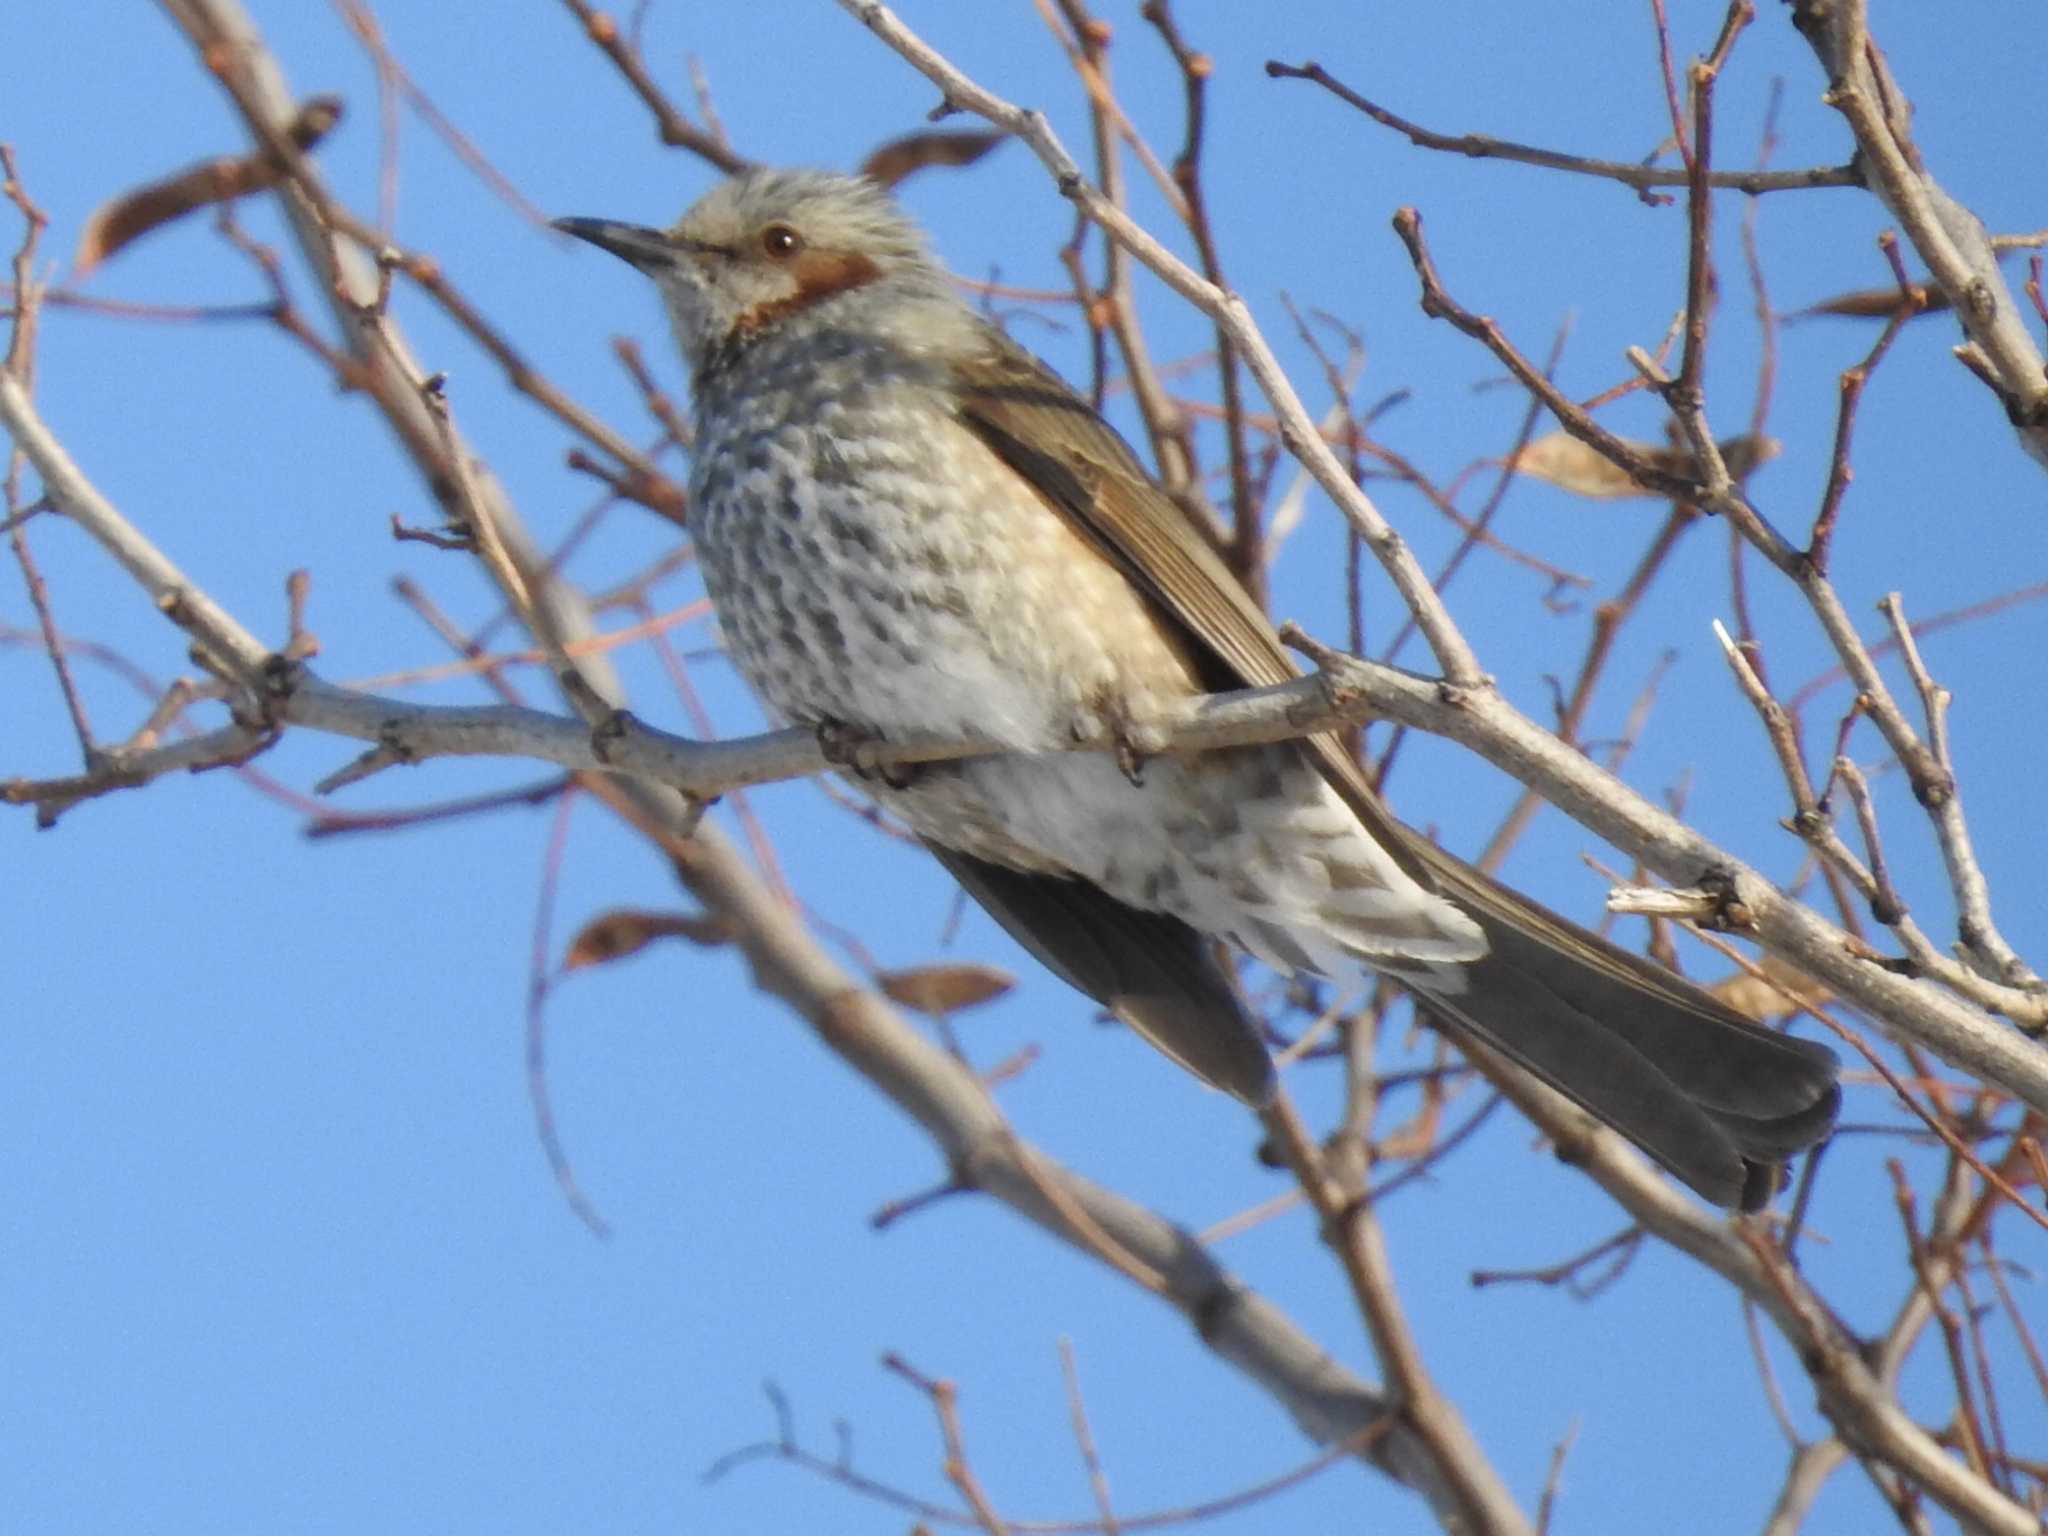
(1877, 303)
(1559, 459)
(901, 158)
(123, 220)
(1764, 998)
(615, 935)
(936, 990)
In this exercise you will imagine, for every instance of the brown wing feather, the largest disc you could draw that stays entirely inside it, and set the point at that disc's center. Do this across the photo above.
(1034, 422)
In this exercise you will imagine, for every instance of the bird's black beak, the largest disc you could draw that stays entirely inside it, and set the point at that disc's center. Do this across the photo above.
(648, 249)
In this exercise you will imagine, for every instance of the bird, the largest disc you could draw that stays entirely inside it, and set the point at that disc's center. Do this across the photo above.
(908, 524)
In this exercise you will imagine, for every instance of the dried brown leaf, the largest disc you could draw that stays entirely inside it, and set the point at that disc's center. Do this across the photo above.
(1876, 303)
(615, 935)
(1559, 459)
(905, 157)
(1764, 998)
(123, 220)
(936, 990)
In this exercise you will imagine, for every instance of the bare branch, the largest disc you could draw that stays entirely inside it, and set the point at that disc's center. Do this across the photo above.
(674, 129)
(1932, 772)
(1642, 178)
(1948, 237)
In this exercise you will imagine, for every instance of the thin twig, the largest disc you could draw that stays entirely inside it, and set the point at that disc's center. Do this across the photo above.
(673, 128)
(1479, 146)
(1084, 1438)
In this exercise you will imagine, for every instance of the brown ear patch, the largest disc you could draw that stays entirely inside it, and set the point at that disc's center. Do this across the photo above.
(819, 275)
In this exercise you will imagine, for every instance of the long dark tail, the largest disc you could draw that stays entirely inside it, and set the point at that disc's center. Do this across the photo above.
(1718, 1100)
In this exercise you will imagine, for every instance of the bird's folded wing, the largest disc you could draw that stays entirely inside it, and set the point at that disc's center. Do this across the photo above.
(1152, 971)
(1088, 474)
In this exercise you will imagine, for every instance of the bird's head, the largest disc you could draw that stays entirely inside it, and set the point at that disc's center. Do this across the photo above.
(769, 249)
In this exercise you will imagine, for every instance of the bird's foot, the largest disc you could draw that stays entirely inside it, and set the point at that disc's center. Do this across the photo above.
(1130, 761)
(851, 748)
(1108, 718)
(1135, 745)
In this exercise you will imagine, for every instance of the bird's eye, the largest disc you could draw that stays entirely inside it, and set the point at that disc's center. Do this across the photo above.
(781, 242)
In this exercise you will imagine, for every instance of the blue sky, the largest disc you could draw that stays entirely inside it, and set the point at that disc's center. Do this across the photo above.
(281, 1250)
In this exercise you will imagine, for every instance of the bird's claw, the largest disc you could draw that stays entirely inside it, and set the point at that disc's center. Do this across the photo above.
(850, 748)
(1130, 761)
(1132, 742)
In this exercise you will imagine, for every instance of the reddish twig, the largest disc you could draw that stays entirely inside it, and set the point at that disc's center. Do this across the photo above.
(1247, 552)
(20, 363)
(674, 129)
(1478, 146)
(539, 987)
(1853, 379)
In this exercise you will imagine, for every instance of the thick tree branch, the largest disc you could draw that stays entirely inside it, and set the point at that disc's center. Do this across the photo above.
(409, 732)
(1480, 719)
(1949, 237)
